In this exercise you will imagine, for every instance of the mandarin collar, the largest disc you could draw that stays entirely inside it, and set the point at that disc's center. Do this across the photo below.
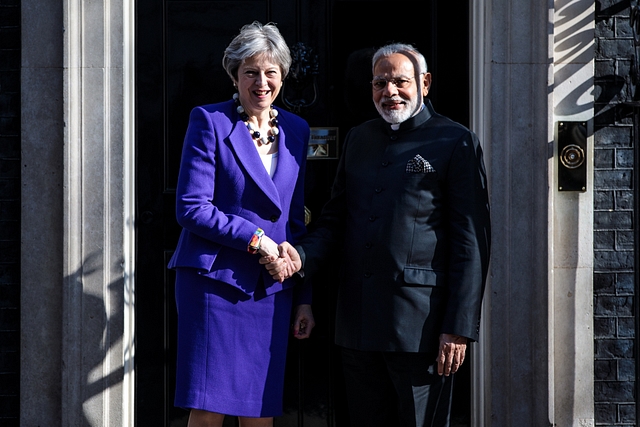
(423, 115)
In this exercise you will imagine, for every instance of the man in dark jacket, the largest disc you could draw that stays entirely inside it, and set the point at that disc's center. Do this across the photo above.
(410, 211)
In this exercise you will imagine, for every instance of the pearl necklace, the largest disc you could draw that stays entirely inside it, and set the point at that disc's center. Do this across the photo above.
(255, 134)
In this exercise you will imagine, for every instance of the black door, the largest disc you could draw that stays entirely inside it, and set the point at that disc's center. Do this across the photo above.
(178, 66)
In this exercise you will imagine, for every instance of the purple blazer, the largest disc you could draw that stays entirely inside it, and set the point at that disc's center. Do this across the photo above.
(224, 194)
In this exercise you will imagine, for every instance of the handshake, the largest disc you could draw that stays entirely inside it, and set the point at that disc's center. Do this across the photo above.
(281, 261)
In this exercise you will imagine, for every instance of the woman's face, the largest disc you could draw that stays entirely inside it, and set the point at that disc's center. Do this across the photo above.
(259, 82)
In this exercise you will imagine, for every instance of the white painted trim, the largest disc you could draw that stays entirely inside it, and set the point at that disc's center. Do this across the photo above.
(72, 382)
(129, 195)
(97, 246)
(571, 261)
(479, 356)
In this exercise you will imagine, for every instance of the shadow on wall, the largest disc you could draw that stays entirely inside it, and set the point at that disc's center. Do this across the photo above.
(98, 329)
(573, 61)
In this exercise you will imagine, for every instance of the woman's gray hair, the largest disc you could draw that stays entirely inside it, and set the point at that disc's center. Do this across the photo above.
(257, 39)
(402, 48)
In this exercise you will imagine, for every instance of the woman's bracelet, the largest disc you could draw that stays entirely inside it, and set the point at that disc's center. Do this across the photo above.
(254, 243)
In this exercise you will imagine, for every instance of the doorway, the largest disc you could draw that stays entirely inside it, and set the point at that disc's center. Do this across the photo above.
(179, 46)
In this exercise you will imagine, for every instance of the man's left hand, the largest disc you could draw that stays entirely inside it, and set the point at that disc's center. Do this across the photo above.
(303, 322)
(451, 353)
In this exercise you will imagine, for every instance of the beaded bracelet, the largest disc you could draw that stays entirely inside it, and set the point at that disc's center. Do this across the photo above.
(254, 243)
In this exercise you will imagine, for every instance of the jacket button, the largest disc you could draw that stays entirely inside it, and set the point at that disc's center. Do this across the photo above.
(274, 218)
(372, 218)
(379, 190)
(385, 163)
(367, 274)
(368, 245)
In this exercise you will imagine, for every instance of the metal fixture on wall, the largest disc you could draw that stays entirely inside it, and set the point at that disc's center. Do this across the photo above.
(572, 156)
(300, 89)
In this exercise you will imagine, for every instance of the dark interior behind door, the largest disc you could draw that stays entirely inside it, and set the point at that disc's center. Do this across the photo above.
(178, 66)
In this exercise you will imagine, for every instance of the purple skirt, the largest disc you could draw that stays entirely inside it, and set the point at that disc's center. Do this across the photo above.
(232, 347)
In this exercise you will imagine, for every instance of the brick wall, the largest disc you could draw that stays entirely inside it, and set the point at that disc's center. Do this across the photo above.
(9, 211)
(614, 284)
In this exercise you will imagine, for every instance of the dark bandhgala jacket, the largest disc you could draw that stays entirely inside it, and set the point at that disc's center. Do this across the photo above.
(409, 215)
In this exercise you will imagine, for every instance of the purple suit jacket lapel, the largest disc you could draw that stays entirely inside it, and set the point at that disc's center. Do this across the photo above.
(287, 169)
(250, 160)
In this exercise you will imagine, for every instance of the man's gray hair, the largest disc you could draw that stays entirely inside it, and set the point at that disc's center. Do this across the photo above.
(401, 48)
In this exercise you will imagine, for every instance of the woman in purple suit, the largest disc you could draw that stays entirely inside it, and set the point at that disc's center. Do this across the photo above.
(240, 190)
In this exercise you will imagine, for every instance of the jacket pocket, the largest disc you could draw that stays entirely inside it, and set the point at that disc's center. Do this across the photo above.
(423, 276)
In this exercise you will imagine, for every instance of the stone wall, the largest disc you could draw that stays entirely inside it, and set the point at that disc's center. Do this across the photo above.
(614, 322)
(9, 211)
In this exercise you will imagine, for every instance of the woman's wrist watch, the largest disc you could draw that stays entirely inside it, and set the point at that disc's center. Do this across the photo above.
(254, 242)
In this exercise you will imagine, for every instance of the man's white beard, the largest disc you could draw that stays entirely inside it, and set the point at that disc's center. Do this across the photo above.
(397, 116)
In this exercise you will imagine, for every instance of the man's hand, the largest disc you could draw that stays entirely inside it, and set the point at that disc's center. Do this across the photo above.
(285, 265)
(451, 353)
(303, 322)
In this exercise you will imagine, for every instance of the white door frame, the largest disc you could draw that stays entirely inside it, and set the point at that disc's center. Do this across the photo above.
(479, 355)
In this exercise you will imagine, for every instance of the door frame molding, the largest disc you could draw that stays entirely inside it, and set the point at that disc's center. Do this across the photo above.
(129, 214)
(478, 76)
(478, 105)
(479, 354)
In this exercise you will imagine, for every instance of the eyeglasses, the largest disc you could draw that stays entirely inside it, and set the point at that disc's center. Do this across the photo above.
(400, 83)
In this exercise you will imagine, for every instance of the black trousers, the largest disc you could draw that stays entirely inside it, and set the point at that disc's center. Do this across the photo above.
(395, 389)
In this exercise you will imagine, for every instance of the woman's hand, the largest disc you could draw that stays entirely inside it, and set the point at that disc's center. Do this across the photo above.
(285, 265)
(303, 321)
(268, 248)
